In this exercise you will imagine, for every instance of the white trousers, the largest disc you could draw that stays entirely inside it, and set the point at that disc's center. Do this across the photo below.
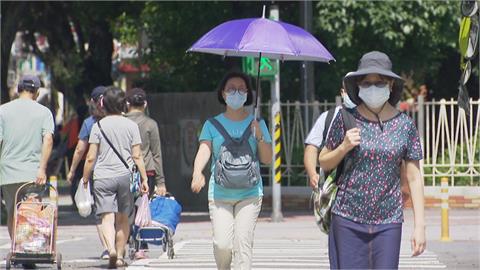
(233, 229)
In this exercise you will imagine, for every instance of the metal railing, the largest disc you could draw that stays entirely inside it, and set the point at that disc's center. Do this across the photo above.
(450, 139)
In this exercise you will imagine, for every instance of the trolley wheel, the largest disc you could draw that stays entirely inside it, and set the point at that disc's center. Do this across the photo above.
(8, 261)
(59, 261)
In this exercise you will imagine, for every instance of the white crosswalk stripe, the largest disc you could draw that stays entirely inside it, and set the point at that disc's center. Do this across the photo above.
(270, 254)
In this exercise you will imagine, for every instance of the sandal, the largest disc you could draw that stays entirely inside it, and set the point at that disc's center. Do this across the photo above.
(139, 255)
(121, 263)
(112, 261)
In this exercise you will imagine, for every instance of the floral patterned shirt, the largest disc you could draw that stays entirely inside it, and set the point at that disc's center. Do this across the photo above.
(369, 191)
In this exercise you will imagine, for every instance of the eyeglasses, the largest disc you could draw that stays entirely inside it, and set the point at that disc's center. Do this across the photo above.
(240, 91)
(378, 84)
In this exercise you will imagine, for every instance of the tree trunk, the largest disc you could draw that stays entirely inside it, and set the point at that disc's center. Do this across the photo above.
(9, 28)
(98, 65)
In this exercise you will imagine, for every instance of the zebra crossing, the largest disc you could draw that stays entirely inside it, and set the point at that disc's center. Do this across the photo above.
(270, 254)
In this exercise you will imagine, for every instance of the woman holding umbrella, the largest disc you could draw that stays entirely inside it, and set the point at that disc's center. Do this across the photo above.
(367, 214)
(233, 139)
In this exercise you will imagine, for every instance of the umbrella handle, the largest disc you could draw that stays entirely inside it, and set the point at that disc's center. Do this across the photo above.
(259, 92)
(257, 102)
(255, 115)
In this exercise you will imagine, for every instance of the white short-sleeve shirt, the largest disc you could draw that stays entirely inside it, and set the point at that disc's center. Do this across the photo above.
(315, 136)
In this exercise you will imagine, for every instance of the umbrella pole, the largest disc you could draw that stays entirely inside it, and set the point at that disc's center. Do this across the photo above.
(259, 93)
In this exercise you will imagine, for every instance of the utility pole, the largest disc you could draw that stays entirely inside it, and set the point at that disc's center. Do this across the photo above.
(276, 172)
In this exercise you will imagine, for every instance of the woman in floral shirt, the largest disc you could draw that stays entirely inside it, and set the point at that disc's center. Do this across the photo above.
(367, 214)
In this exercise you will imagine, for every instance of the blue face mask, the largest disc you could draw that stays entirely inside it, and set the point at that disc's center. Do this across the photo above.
(235, 100)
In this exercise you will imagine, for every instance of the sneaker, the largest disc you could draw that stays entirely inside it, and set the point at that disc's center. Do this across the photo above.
(139, 255)
(104, 255)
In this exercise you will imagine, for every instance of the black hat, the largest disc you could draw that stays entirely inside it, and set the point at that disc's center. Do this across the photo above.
(30, 82)
(97, 92)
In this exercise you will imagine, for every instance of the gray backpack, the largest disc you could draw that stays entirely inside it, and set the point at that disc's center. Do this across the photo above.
(236, 165)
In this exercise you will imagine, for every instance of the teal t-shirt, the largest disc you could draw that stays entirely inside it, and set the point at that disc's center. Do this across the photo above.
(23, 123)
(235, 129)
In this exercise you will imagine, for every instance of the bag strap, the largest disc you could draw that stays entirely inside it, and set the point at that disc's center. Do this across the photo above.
(248, 131)
(224, 132)
(220, 129)
(328, 123)
(349, 122)
(113, 148)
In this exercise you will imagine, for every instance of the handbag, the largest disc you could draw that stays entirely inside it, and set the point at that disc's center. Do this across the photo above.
(134, 173)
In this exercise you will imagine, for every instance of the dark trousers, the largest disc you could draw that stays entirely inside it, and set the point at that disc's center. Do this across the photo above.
(332, 250)
(364, 246)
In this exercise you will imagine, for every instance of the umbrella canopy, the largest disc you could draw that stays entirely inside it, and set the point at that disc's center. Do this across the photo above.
(273, 39)
(261, 37)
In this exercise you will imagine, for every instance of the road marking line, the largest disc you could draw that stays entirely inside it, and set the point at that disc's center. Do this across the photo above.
(273, 254)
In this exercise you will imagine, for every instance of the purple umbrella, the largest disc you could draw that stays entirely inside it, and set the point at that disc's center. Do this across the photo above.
(273, 39)
(259, 37)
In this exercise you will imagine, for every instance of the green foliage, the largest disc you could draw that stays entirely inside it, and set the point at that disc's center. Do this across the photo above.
(127, 29)
(66, 72)
(172, 28)
(419, 36)
(415, 34)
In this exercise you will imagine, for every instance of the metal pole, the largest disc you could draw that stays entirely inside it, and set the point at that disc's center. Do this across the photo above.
(259, 94)
(276, 173)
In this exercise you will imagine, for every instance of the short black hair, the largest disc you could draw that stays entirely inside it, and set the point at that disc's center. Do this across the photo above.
(114, 100)
(136, 97)
(235, 74)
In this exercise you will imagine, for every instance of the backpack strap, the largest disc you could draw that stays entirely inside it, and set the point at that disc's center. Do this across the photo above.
(349, 122)
(220, 129)
(328, 123)
(248, 131)
(224, 132)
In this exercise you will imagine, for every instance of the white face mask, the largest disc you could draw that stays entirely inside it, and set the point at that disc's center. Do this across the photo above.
(347, 102)
(374, 97)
